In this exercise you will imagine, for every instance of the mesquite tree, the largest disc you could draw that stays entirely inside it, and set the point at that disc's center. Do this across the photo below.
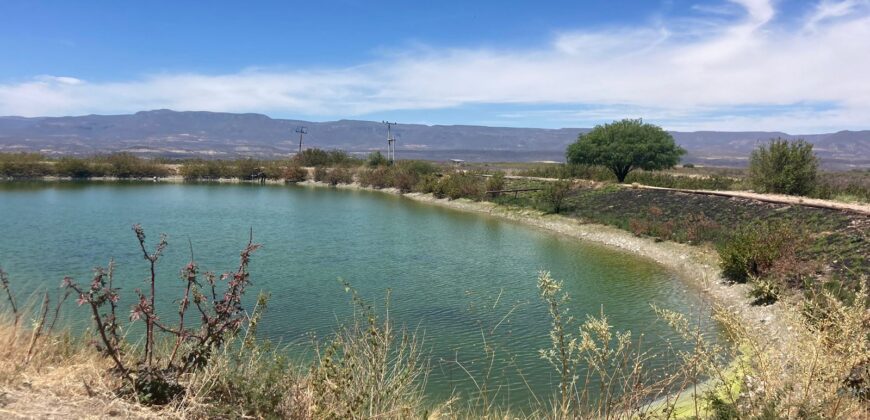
(623, 146)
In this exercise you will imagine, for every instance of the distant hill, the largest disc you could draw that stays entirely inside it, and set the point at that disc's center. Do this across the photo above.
(213, 134)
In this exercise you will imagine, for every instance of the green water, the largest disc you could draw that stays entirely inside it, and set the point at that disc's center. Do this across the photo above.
(458, 278)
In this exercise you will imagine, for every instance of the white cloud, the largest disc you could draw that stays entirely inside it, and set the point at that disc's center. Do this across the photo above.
(689, 70)
(830, 9)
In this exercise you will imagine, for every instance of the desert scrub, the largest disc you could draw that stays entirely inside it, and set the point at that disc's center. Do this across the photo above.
(404, 175)
(461, 185)
(495, 183)
(319, 157)
(760, 249)
(376, 159)
(852, 186)
(565, 171)
(711, 182)
(339, 176)
(553, 197)
(294, 173)
(408, 173)
(378, 177)
(320, 174)
(430, 184)
(823, 374)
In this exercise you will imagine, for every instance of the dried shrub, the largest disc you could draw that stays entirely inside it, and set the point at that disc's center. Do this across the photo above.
(339, 176)
(294, 173)
(638, 227)
(430, 184)
(368, 369)
(610, 358)
(461, 185)
(320, 174)
(405, 179)
(699, 228)
(823, 373)
(156, 380)
(379, 177)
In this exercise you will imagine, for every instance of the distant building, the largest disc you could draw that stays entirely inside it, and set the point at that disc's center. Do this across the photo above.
(457, 162)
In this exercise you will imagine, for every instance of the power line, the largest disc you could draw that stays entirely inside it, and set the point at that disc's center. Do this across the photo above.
(302, 130)
(391, 142)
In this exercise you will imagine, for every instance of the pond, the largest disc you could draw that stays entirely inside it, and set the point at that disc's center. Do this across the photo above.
(459, 279)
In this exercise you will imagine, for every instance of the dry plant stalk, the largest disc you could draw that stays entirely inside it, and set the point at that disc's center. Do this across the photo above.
(221, 317)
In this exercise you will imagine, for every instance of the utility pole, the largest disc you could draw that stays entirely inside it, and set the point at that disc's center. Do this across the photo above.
(391, 142)
(302, 130)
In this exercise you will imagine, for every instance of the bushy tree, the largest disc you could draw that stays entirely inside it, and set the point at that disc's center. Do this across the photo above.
(784, 167)
(554, 194)
(623, 146)
(376, 159)
(495, 183)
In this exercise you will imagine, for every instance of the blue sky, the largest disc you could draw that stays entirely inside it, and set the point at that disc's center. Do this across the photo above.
(797, 66)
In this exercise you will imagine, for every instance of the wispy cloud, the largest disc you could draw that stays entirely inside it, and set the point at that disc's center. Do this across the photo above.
(689, 74)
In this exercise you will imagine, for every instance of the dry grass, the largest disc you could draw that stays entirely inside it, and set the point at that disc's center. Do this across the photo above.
(62, 378)
(372, 369)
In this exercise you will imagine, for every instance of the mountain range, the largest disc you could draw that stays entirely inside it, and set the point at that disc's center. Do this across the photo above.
(215, 134)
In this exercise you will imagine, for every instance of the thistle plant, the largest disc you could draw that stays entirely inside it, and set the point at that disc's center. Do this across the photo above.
(221, 315)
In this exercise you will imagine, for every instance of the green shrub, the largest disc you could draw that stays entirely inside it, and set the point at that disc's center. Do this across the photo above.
(461, 185)
(553, 196)
(713, 182)
(126, 165)
(784, 167)
(848, 186)
(429, 184)
(24, 165)
(495, 182)
(246, 169)
(565, 171)
(753, 250)
(73, 168)
(318, 157)
(201, 169)
(376, 159)
(765, 291)
(419, 167)
(274, 169)
(406, 174)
